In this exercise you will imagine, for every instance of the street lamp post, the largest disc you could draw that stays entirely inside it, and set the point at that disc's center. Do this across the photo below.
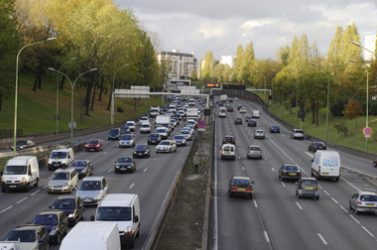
(16, 89)
(72, 123)
(113, 95)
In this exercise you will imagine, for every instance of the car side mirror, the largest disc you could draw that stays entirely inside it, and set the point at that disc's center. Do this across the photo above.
(312, 160)
(252, 182)
(92, 218)
(136, 219)
(50, 207)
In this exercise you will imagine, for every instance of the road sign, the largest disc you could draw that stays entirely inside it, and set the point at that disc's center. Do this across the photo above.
(201, 125)
(72, 125)
(367, 131)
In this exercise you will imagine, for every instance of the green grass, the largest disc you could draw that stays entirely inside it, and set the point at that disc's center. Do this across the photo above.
(356, 140)
(36, 109)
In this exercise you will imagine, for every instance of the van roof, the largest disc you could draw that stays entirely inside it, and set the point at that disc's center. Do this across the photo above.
(92, 230)
(118, 200)
(327, 152)
(62, 150)
(19, 160)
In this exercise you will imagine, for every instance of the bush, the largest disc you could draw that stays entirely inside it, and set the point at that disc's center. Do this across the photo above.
(337, 107)
(120, 109)
(342, 129)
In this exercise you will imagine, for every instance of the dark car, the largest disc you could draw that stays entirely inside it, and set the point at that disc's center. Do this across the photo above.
(125, 164)
(240, 185)
(238, 121)
(316, 145)
(239, 107)
(141, 150)
(289, 172)
(229, 139)
(23, 144)
(274, 129)
(114, 134)
(154, 139)
(93, 145)
(34, 236)
(229, 109)
(307, 187)
(72, 206)
(252, 123)
(55, 222)
(247, 118)
(83, 167)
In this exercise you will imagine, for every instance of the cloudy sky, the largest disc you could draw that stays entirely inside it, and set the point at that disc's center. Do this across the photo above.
(196, 26)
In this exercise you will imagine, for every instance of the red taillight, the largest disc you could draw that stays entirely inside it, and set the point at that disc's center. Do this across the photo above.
(249, 189)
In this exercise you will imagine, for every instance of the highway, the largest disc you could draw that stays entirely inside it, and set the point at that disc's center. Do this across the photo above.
(152, 181)
(276, 219)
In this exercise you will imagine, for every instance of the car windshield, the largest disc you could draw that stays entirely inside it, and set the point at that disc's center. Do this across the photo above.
(126, 137)
(241, 182)
(141, 147)
(290, 168)
(60, 176)
(64, 204)
(79, 164)
(164, 143)
(309, 183)
(58, 155)
(160, 130)
(93, 142)
(45, 219)
(15, 170)
(125, 160)
(299, 131)
(22, 235)
(154, 136)
(179, 137)
(114, 132)
(90, 185)
(113, 214)
(145, 125)
(368, 197)
(254, 148)
(21, 143)
(130, 124)
(185, 132)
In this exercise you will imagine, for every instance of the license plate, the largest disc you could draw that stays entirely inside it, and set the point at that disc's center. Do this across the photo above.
(12, 186)
(309, 188)
(370, 205)
(325, 173)
(292, 174)
(241, 189)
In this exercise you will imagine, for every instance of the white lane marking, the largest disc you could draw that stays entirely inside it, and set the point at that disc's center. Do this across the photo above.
(322, 238)
(255, 204)
(215, 214)
(354, 219)
(266, 236)
(104, 152)
(155, 158)
(334, 200)
(110, 170)
(132, 185)
(6, 209)
(366, 230)
(309, 154)
(273, 170)
(343, 208)
(36, 192)
(243, 168)
(22, 200)
(352, 185)
(145, 170)
(283, 184)
(325, 191)
(299, 206)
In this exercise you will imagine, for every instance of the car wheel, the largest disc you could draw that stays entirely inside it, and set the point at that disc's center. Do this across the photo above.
(251, 196)
(311, 173)
(282, 178)
(337, 179)
(58, 239)
(230, 195)
(115, 170)
(27, 188)
(3, 189)
(36, 183)
(356, 211)
(317, 197)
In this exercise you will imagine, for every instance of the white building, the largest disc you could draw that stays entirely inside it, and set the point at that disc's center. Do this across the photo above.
(180, 65)
(370, 44)
(227, 60)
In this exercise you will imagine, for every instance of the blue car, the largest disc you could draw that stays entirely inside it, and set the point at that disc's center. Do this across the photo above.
(274, 129)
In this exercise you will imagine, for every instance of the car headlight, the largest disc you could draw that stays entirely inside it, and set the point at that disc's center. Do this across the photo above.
(54, 230)
(71, 216)
(23, 179)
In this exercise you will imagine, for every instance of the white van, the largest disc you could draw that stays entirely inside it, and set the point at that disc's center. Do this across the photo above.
(228, 151)
(256, 113)
(124, 209)
(93, 236)
(60, 158)
(326, 164)
(222, 112)
(20, 172)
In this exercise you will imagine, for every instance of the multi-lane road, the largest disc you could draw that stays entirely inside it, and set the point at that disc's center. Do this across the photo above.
(276, 219)
(152, 181)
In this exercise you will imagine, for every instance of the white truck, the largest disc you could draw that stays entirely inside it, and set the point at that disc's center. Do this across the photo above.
(192, 113)
(326, 164)
(256, 113)
(163, 121)
(223, 98)
(154, 111)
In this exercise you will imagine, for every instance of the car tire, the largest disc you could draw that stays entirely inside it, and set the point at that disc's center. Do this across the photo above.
(317, 197)
(27, 188)
(58, 239)
(282, 178)
(251, 196)
(230, 195)
(3, 189)
(36, 183)
(356, 211)
(115, 171)
(337, 179)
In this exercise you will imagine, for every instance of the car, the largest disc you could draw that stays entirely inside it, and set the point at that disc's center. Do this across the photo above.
(316, 145)
(127, 141)
(192, 122)
(125, 130)
(228, 151)
(63, 181)
(307, 187)
(289, 172)
(145, 128)
(229, 109)
(251, 123)
(254, 152)
(114, 134)
(163, 131)
(259, 134)
(274, 129)
(166, 146)
(239, 107)
(187, 133)
(29, 237)
(72, 206)
(131, 125)
(229, 139)
(238, 121)
(55, 222)
(23, 144)
(92, 189)
(255, 113)
(240, 185)
(242, 110)
(154, 138)
(82, 167)
(247, 118)
(363, 201)
(143, 119)
(180, 140)
(297, 134)
(125, 164)
(141, 150)
(93, 145)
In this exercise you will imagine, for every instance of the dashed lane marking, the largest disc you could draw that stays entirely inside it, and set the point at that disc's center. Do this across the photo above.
(322, 239)
(36, 192)
(255, 204)
(283, 184)
(132, 185)
(6, 209)
(145, 170)
(266, 236)
(22, 200)
(299, 206)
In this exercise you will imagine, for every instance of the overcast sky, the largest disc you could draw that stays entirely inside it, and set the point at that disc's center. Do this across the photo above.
(196, 26)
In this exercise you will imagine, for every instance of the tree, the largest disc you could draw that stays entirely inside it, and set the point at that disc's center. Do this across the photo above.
(352, 109)
(237, 68)
(207, 67)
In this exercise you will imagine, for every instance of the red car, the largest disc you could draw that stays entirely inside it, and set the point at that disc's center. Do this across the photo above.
(93, 145)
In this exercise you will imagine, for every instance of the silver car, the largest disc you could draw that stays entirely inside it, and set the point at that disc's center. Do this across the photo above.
(363, 202)
(92, 189)
(254, 152)
(63, 181)
(127, 140)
